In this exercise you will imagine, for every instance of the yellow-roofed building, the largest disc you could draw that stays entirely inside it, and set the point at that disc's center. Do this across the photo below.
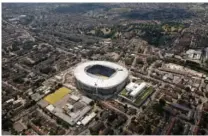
(57, 95)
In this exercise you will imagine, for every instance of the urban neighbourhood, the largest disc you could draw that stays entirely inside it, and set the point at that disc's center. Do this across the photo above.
(104, 69)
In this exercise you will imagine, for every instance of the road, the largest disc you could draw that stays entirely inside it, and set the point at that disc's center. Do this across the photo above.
(13, 87)
(151, 67)
(64, 77)
(107, 104)
(22, 29)
(118, 111)
(157, 80)
(51, 120)
(23, 113)
(21, 68)
(64, 51)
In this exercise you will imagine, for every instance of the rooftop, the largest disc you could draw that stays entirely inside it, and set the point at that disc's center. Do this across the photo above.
(57, 95)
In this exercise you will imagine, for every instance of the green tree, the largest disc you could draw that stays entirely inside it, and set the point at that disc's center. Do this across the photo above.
(162, 102)
(128, 61)
(99, 33)
(148, 130)
(206, 62)
(151, 60)
(158, 108)
(188, 89)
(206, 94)
(139, 61)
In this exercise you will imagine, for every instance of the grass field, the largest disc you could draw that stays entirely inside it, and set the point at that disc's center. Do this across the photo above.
(143, 96)
(124, 93)
(101, 76)
(57, 95)
(140, 98)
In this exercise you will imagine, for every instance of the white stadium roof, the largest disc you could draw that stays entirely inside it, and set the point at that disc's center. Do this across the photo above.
(117, 78)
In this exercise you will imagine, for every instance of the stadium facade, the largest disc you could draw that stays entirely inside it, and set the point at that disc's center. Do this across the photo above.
(101, 79)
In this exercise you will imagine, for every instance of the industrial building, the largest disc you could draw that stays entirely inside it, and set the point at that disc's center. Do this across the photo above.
(71, 113)
(88, 118)
(100, 78)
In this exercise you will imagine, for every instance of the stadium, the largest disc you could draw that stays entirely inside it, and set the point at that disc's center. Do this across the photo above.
(100, 78)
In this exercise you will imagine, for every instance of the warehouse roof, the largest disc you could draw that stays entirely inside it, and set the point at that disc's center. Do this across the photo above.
(74, 97)
(88, 118)
(50, 108)
(86, 100)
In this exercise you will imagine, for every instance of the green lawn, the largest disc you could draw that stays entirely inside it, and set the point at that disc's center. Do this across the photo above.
(124, 93)
(143, 95)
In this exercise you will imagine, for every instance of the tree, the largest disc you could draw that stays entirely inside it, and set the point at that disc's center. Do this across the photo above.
(18, 80)
(96, 118)
(139, 61)
(128, 61)
(158, 108)
(143, 107)
(112, 117)
(200, 101)
(148, 130)
(37, 122)
(15, 46)
(133, 119)
(126, 106)
(99, 33)
(202, 132)
(188, 89)
(58, 121)
(91, 103)
(140, 129)
(206, 62)
(6, 123)
(46, 69)
(140, 50)
(65, 125)
(150, 60)
(162, 102)
(206, 94)
(158, 65)
(59, 85)
(178, 129)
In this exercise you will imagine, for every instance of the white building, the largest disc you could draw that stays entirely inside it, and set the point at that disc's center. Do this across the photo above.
(131, 87)
(134, 89)
(74, 97)
(138, 90)
(193, 54)
(69, 106)
(50, 107)
(88, 118)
